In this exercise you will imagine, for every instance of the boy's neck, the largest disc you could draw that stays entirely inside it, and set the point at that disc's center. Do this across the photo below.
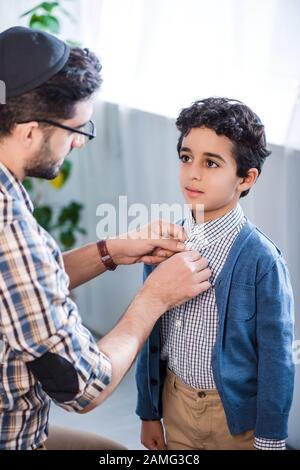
(208, 216)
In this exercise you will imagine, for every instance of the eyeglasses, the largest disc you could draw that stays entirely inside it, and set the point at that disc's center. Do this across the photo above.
(88, 130)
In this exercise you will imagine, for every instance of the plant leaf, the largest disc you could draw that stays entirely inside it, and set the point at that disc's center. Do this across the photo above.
(43, 215)
(28, 184)
(66, 169)
(49, 6)
(81, 230)
(52, 24)
(45, 22)
(73, 43)
(70, 214)
(62, 176)
(67, 239)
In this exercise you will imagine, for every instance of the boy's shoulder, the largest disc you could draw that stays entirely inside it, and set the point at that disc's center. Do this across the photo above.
(256, 253)
(262, 243)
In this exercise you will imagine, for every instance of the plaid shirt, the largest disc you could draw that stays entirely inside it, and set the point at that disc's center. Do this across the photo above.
(37, 316)
(189, 331)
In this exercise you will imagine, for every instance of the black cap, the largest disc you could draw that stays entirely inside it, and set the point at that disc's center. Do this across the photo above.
(29, 58)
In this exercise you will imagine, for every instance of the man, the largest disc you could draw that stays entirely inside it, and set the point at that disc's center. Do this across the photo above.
(47, 353)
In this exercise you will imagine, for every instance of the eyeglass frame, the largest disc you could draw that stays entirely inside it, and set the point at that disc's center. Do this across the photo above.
(67, 128)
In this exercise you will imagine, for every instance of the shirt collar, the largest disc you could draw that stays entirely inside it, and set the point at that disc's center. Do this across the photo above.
(208, 232)
(13, 186)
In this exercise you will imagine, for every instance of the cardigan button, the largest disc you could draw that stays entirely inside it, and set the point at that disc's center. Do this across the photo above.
(154, 349)
(153, 382)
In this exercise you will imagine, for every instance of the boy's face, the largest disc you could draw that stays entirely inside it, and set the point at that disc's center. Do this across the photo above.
(208, 173)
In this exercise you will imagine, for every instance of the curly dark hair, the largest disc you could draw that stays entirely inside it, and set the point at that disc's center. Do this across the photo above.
(237, 122)
(56, 98)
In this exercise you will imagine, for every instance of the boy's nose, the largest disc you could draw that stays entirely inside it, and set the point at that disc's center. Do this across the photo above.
(195, 173)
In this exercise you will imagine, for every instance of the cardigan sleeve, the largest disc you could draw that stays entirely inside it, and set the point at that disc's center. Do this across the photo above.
(274, 323)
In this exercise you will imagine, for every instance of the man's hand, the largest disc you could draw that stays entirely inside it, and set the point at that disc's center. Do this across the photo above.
(152, 435)
(152, 244)
(178, 279)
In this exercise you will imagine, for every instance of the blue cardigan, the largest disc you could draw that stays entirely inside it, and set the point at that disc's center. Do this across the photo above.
(252, 359)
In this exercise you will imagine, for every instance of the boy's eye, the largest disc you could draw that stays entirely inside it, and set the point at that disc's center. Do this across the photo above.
(184, 158)
(211, 164)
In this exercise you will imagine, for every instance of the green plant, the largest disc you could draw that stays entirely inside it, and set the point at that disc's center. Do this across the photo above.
(64, 224)
(42, 16)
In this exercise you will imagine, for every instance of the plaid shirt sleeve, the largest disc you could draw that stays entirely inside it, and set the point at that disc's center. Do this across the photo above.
(37, 313)
(261, 443)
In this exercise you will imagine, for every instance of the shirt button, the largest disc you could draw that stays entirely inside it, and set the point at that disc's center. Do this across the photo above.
(178, 323)
(201, 394)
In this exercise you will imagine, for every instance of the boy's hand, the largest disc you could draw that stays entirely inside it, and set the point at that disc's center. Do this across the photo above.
(152, 435)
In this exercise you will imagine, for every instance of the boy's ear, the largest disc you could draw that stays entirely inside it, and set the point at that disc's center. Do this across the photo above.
(249, 180)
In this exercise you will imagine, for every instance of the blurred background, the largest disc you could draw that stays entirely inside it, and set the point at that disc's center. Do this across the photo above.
(159, 56)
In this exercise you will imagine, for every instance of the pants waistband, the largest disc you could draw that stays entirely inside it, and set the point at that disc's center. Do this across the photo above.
(176, 382)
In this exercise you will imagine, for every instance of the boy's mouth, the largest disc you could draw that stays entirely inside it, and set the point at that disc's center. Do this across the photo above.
(191, 192)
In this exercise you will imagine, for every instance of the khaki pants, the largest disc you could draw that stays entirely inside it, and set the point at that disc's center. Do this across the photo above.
(195, 419)
(69, 439)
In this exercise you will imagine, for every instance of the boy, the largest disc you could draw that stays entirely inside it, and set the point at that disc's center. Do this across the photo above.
(218, 369)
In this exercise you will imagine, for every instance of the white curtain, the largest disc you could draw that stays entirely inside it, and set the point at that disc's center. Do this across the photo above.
(160, 55)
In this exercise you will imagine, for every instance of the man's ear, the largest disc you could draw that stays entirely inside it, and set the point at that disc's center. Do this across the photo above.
(249, 180)
(26, 133)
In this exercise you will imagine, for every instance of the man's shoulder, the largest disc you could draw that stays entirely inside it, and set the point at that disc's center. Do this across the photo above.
(12, 210)
(15, 218)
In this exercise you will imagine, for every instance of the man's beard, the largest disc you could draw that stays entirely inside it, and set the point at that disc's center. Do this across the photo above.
(42, 164)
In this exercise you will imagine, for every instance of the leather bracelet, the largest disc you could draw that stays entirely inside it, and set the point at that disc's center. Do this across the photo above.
(146, 419)
(105, 256)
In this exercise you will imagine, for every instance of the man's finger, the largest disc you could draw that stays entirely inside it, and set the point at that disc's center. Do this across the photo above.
(191, 255)
(173, 231)
(156, 251)
(200, 264)
(163, 253)
(204, 286)
(203, 275)
(150, 259)
(170, 245)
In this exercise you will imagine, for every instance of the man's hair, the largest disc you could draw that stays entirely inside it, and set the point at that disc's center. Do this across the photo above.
(234, 120)
(56, 98)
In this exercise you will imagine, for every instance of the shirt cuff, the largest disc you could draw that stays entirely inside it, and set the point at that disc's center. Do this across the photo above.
(261, 443)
